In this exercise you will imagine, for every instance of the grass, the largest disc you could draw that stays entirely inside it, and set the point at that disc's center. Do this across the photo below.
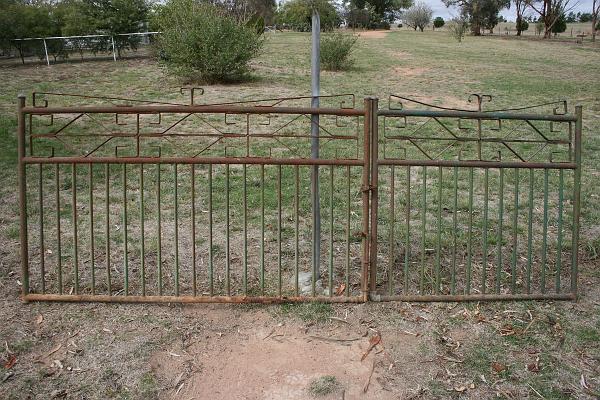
(431, 67)
(323, 386)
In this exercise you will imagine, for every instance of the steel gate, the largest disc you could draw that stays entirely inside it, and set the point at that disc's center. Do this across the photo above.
(139, 201)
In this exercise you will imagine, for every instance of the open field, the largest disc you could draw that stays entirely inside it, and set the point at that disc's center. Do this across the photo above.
(507, 350)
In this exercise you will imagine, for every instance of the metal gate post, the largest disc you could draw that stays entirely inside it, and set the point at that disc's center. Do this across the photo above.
(366, 188)
(22, 195)
(576, 200)
(374, 194)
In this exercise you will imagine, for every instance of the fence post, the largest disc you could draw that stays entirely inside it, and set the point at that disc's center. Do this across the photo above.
(576, 200)
(368, 108)
(314, 146)
(374, 194)
(22, 195)
(46, 51)
(112, 38)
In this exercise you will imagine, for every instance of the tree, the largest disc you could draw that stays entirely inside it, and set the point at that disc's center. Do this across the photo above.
(479, 13)
(520, 7)
(438, 22)
(560, 25)
(595, 18)
(113, 17)
(377, 13)
(549, 12)
(298, 14)
(19, 20)
(522, 26)
(584, 17)
(418, 16)
(458, 28)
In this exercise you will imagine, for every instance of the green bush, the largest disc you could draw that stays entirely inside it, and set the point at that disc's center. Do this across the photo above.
(336, 49)
(201, 42)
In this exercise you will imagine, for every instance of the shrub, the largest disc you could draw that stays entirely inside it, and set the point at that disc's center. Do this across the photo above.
(201, 42)
(438, 22)
(336, 49)
(458, 28)
(522, 25)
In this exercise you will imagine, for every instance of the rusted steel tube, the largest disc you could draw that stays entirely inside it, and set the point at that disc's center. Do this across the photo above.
(474, 297)
(365, 197)
(480, 164)
(190, 160)
(576, 201)
(191, 299)
(374, 192)
(477, 115)
(21, 174)
(194, 109)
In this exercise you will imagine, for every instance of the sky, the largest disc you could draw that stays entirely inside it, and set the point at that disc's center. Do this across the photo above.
(440, 10)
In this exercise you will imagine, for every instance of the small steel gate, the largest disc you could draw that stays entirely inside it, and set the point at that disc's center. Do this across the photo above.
(164, 202)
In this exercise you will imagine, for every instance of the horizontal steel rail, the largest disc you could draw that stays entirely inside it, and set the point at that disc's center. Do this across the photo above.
(482, 115)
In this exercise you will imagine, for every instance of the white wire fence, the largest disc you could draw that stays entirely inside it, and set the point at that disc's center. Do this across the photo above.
(55, 49)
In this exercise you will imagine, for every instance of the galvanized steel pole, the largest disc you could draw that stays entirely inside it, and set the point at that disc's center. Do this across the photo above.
(314, 144)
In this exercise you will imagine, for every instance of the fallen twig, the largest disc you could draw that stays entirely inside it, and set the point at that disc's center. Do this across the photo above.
(366, 387)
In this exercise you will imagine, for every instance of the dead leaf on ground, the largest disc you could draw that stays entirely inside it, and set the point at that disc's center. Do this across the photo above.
(39, 319)
(373, 341)
(498, 367)
(11, 362)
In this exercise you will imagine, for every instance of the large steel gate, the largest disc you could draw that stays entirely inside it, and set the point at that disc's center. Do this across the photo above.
(140, 201)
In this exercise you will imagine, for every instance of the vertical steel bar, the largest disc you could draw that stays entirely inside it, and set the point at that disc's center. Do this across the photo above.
(454, 229)
(210, 231)
(21, 174)
(262, 229)
(513, 267)
(392, 221)
(227, 233)
(423, 228)
(74, 227)
(41, 212)
(470, 234)
(107, 224)
(142, 232)
(279, 266)
(330, 272)
(296, 227)
(576, 200)
(348, 215)
(159, 230)
(314, 144)
(176, 226)
(407, 243)
(530, 231)
(365, 196)
(374, 192)
(544, 234)
(245, 218)
(91, 207)
(125, 251)
(486, 177)
(499, 238)
(560, 229)
(439, 235)
(58, 234)
(193, 212)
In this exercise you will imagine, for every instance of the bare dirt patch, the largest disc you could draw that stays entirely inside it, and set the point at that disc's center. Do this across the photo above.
(373, 34)
(253, 356)
(408, 71)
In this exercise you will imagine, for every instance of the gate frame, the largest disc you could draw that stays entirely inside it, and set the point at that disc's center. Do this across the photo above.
(479, 115)
(369, 191)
